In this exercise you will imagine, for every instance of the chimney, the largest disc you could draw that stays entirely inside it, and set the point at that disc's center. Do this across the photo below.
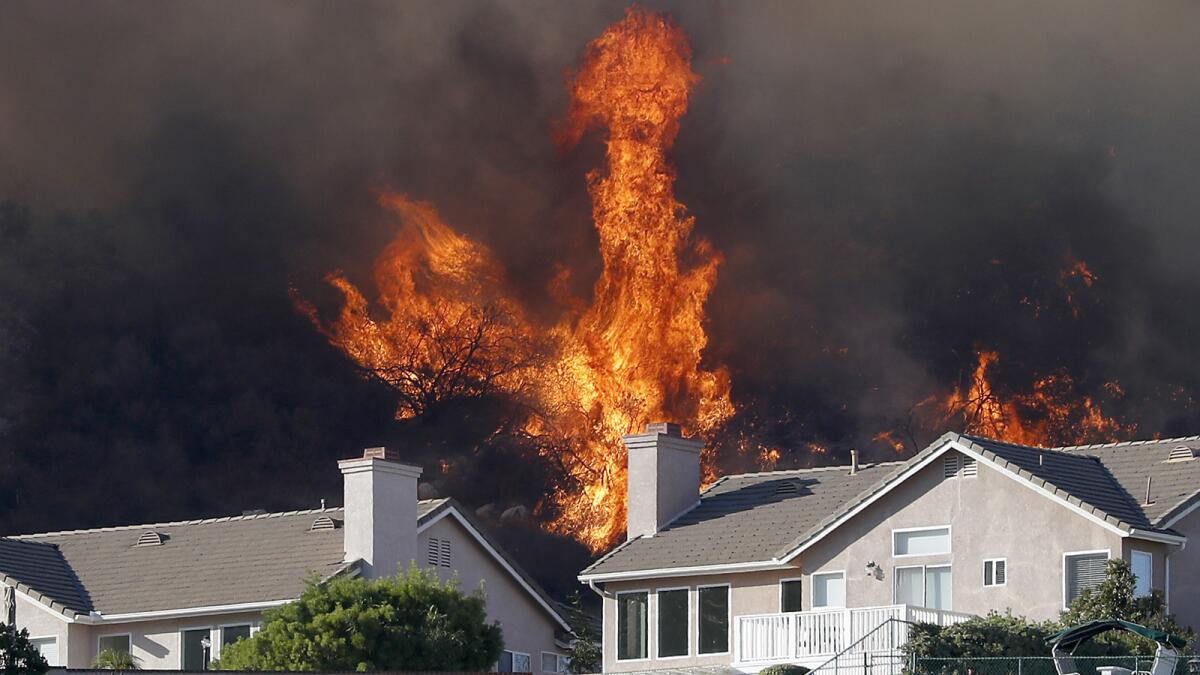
(381, 511)
(853, 461)
(664, 477)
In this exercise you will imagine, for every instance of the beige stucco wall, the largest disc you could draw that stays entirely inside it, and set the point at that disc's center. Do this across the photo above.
(527, 626)
(990, 515)
(1183, 597)
(41, 623)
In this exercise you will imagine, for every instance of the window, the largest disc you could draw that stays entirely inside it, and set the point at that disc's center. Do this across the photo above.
(117, 643)
(48, 648)
(789, 595)
(514, 662)
(437, 552)
(231, 634)
(925, 541)
(197, 649)
(1082, 570)
(713, 603)
(673, 622)
(1143, 569)
(922, 586)
(632, 620)
(554, 663)
(995, 572)
(829, 590)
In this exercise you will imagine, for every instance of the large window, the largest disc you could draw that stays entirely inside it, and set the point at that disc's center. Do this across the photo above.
(116, 643)
(713, 602)
(1143, 569)
(197, 649)
(632, 620)
(829, 590)
(514, 662)
(673, 622)
(790, 594)
(554, 663)
(923, 586)
(48, 648)
(1082, 570)
(231, 634)
(928, 541)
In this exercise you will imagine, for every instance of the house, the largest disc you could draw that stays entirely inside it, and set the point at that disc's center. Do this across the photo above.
(173, 594)
(804, 566)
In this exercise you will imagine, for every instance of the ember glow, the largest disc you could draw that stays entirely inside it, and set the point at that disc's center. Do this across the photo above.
(631, 356)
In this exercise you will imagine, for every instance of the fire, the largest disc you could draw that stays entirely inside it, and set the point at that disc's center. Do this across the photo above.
(1050, 413)
(632, 356)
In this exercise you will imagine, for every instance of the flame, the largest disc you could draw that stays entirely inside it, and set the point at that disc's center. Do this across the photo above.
(634, 355)
(1050, 413)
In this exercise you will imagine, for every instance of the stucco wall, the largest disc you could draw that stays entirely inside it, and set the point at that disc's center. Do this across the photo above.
(527, 627)
(41, 623)
(1183, 597)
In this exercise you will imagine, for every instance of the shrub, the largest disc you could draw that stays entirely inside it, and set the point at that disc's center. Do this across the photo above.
(784, 669)
(18, 655)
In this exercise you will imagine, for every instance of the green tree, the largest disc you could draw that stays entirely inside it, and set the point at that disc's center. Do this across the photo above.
(1116, 598)
(987, 636)
(116, 659)
(413, 621)
(18, 655)
(584, 653)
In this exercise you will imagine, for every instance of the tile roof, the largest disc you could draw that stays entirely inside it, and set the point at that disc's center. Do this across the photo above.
(755, 518)
(202, 563)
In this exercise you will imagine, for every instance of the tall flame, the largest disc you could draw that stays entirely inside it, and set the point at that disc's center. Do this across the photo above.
(633, 356)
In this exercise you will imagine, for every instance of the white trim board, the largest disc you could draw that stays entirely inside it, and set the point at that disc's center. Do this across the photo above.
(451, 511)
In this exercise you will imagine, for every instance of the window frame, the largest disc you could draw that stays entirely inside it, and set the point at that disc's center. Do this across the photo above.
(785, 580)
(929, 528)
(127, 635)
(1067, 554)
(728, 619)
(514, 667)
(212, 649)
(1133, 553)
(655, 613)
(924, 567)
(994, 561)
(617, 622)
(560, 662)
(33, 639)
(219, 644)
(812, 592)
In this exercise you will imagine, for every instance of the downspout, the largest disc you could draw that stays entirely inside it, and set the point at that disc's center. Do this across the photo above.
(598, 591)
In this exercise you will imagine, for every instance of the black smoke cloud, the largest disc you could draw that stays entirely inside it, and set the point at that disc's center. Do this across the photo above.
(892, 187)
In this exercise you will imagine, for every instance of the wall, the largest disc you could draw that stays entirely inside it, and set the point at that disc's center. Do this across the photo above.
(156, 644)
(527, 626)
(42, 622)
(1183, 597)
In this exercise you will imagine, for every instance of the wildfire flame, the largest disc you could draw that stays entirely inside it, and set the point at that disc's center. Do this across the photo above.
(634, 355)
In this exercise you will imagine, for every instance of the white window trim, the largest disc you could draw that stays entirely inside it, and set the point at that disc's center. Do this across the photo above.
(728, 620)
(212, 650)
(36, 638)
(219, 643)
(649, 625)
(994, 561)
(514, 653)
(812, 592)
(1067, 554)
(1150, 582)
(655, 613)
(785, 580)
(559, 660)
(902, 530)
(924, 577)
(111, 635)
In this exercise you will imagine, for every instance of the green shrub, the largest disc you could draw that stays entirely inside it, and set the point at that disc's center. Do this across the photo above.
(784, 669)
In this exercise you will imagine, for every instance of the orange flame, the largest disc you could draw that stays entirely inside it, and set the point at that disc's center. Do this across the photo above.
(633, 356)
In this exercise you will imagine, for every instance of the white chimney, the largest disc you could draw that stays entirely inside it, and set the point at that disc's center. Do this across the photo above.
(664, 477)
(381, 511)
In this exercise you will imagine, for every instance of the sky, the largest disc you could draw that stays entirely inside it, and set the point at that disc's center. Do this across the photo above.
(894, 187)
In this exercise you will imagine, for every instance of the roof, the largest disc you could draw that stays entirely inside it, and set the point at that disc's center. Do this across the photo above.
(213, 562)
(755, 519)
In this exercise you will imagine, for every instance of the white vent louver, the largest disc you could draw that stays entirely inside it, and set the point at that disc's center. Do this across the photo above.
(1181, 453)
(323, 523)
(969, 467)
(950, 466)
(437, 552)
(151, 538)
(955, 466)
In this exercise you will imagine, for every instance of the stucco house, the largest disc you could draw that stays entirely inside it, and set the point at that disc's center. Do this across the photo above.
(803, 566)
(174, 593)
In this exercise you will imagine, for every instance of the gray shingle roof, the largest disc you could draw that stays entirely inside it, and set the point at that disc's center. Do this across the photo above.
(749, 518)
(203, 563)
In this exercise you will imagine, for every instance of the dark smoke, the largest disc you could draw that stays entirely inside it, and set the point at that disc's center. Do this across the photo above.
(892, 186)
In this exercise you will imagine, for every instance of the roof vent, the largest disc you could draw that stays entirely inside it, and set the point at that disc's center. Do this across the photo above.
(151, 538)
(1181, 453)
(787, 488)
(323, 523)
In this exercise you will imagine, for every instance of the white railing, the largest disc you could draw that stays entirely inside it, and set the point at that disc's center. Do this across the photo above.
(802, 635)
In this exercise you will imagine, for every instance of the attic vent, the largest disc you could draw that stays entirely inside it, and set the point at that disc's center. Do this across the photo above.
(323, 523)
(956, 466)
(969, 468)
(151, 538)
(1181, 454)
(787, 488)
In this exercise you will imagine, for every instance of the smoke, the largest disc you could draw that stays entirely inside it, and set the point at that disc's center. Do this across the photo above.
(892, 187)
